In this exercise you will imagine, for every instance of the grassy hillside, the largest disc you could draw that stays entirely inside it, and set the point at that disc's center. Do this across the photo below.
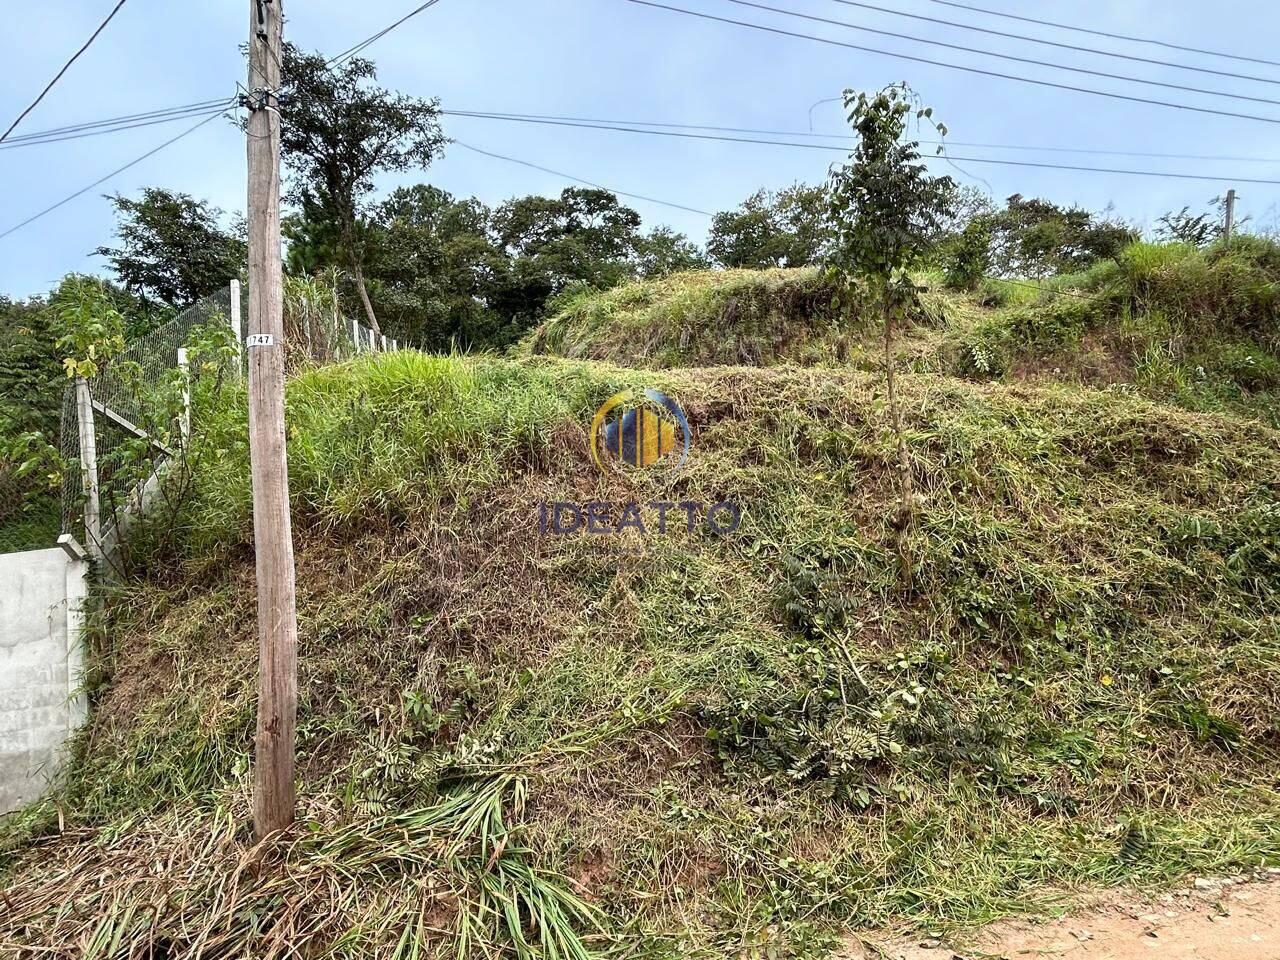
(682, 744)
(1200, 328)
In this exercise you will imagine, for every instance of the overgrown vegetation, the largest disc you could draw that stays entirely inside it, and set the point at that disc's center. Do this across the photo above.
(705, 317)
(725, 744)
(668, 742)
(1199, 327)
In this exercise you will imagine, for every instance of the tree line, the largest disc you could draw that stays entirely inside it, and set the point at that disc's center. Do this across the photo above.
(442, 272)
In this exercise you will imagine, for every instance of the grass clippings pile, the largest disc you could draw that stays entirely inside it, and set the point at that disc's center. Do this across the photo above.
(685, 744)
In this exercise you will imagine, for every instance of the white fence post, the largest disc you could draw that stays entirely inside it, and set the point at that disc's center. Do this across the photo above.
(89, 468)
(235, 325)
(355, 334)
(373, 344)
(384, 342)
(184, 424)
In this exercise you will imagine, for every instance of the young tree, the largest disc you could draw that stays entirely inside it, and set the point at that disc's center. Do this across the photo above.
(1198, 229)
(339, 131)
(886, 208)
(173, 249)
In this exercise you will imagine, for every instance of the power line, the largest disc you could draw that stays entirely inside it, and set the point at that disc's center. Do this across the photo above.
(177, 110)
(113, 173)
(65, 67)
(830, 147)
(132, 121)
(1103, 33)
(589, 183)
(76, 127)
(348, 54)
(496, 114)
(1005, 56)
(116, 126)
(1055, 43)
(955, 66)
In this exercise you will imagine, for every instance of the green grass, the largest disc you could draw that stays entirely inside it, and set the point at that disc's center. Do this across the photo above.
(723, 744)
(697, 318)
(1197, 328)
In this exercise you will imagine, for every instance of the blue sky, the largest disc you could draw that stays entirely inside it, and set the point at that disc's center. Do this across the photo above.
(612, 58)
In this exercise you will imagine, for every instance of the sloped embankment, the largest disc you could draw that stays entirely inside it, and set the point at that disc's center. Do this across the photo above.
(700, 318)
(1196, 327)
(685, 742)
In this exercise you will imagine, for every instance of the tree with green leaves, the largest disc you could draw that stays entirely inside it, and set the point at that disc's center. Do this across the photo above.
(432, 264)
(786, 228)
(582, 238)
(1031, 237)
(172, 249)
(664, 251)
(1197, 229)
(338, 131)
(886, 208)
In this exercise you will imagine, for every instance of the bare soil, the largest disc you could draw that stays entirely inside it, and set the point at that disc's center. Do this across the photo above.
(1209, 920)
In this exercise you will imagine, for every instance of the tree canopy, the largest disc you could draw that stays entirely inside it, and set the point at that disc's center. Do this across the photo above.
(171, 248)
(786, 228)
(338, 131)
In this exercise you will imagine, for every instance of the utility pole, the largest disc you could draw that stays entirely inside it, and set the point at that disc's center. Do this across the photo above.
(1230, 223)
(273, 787)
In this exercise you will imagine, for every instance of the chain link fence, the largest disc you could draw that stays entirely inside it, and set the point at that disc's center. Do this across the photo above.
(134, 424)
(134, 416)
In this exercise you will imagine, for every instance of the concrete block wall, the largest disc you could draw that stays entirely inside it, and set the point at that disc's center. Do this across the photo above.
(41, 664)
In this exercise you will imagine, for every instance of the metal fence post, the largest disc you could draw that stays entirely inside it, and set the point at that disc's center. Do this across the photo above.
(236, 330)
(89, 469)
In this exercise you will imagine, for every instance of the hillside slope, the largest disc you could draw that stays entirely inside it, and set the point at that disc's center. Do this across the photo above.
(682, 743)
(1199, 328)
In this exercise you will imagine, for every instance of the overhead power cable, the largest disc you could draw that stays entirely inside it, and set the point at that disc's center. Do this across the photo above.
(1104, 33)
(65, 67)
(955, 66)
(368, 41)
(849, 138)
(1004, 56)
(76, 127)
(1055, 43)
(589, 183)
(830, 147)
(101, 180)
(117, 125)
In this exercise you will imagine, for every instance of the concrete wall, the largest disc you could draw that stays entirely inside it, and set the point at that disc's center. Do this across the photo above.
(41, 660)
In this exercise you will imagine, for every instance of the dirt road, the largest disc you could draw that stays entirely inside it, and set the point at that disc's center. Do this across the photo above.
(1211, 920)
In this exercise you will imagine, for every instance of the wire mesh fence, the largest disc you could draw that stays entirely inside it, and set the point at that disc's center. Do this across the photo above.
(134, 418)
(29, 511)
(134, 415)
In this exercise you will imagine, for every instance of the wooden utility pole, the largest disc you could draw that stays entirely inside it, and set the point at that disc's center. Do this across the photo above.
(1230, 223)
(273, 787)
